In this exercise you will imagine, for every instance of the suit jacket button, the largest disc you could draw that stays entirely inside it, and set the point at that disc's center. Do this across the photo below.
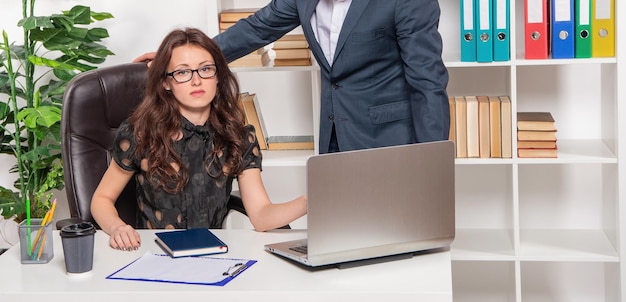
(330, 117)
(335, 86)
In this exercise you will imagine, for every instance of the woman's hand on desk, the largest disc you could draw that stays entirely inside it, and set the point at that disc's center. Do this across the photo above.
(125, 238)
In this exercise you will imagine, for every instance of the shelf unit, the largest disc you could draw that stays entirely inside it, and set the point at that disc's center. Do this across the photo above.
(541, 229)
(527, 229)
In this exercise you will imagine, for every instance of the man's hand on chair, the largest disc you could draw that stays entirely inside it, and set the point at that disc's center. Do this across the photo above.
(146, 57)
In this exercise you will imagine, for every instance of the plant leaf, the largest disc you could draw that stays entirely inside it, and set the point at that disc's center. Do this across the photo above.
(80, 14)
(33, 22)
(10, 203)
(77, 33)
(95, 49)
(50, 63)
(4, 78)
(60, 40)
(54, 38)
(43, 115)
(97, 34)
(53, 88)
(99, 16)
(62, 22)
(65, 75)
(6, 89)
(18, 52)
(4, 110)
(75, 65)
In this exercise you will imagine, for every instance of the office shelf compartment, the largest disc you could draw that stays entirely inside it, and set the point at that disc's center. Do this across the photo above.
(483, 245)
(566, 245)
(569, 281)
(473, 80)
(484, 212)
(484, 198)
(286, 108)
(483, 281)
(567, 212)
(553, 88)
(564, 197)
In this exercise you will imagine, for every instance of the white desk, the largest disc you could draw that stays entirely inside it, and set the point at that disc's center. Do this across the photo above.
(422, 278)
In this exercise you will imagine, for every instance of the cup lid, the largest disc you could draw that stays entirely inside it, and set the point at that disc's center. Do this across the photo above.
(78, 229)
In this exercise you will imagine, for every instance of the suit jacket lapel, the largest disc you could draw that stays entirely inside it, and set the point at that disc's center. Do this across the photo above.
(354, 13)
(305, 22)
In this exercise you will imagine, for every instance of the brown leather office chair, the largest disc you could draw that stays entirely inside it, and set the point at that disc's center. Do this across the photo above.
(94, 105)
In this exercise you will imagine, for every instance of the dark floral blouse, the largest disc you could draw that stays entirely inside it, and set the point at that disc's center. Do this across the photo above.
(202, 203)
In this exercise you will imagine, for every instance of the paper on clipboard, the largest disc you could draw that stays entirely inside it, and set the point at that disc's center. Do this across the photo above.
(186, 270)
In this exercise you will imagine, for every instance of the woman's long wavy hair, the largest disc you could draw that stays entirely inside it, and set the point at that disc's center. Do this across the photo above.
(157, 120)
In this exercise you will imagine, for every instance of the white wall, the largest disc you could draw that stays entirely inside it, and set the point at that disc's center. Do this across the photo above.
(138, 27)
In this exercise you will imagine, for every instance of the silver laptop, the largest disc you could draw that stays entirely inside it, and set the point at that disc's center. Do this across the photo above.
(376, 203)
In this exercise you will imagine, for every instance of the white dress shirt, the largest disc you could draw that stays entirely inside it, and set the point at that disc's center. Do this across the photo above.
(326, 22)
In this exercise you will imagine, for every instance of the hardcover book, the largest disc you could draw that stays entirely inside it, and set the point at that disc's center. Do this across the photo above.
(507, 127)
(495, 130)
(296, 142)
(535, 121)
(484, 139)
(293, 53)
(536, 144)
(537, 153)
(460, 108)
(291, 41)
(250, 106)
(452, 133)
(473, 144)
(235, 14)
(190, 242)
(523, 135)
(258, 58)
(226, 25)
(292, 62)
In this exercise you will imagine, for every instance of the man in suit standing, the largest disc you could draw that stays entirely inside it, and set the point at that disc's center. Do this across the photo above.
(383, 78)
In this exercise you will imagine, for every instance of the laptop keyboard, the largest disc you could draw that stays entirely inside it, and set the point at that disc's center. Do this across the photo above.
(302, 249)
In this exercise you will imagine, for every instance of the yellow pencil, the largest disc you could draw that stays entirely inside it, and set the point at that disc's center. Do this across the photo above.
(47, 218)
(43, 223)
(43, 243)
(52, 209)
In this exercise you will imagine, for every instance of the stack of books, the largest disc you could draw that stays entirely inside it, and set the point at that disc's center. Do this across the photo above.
(292, 50)
(258, 58)
(480, 126)
(536, 135)
(229, 17)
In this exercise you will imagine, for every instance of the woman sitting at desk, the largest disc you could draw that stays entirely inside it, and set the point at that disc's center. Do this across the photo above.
(184, 144)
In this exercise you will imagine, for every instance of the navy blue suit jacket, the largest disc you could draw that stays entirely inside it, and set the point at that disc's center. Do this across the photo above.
(387, 84)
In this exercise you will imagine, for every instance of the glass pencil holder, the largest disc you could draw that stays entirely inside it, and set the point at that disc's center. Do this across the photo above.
(35, 242)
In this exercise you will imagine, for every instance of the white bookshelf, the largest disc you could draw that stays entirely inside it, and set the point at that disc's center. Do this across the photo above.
(527, 229)
(541, 229)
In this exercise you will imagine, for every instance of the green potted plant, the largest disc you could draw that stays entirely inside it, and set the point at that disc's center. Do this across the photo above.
(33, 77)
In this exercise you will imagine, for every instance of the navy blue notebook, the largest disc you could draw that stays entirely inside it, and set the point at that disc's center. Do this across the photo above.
(191, 242)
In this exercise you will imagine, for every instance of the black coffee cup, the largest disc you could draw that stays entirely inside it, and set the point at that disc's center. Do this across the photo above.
(78, 242)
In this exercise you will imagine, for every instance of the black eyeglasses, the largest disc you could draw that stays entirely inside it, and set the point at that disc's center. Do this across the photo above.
(185, 75)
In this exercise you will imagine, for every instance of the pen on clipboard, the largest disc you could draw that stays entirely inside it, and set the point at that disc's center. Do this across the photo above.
(234, 270)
